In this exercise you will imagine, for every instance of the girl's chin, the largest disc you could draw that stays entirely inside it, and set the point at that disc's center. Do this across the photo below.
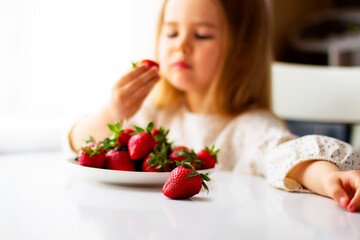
(183, 86)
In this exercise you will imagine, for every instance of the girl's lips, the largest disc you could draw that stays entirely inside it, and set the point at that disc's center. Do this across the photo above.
(181, 65)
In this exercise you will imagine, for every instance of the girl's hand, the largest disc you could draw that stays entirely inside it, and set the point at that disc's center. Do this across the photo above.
(129, 92)
(344, 188)
(325, 178)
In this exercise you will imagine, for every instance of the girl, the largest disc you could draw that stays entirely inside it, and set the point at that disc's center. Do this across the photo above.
(214, 88)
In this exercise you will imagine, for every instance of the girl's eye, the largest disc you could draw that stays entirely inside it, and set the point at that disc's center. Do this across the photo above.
(203, 36)
(171, 35)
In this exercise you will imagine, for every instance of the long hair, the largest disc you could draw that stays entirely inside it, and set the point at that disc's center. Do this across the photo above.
(243, 79)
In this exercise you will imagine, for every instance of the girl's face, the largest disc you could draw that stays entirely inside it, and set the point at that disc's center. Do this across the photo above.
(190, 43)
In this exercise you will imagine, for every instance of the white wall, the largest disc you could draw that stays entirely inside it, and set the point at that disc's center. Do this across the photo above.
(59, 59)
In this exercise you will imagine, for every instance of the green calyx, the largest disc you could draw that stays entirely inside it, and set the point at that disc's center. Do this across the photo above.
(92, 150)
(116, 129)
(161, 139)
(90, 139)
(212, 151)
(159, 159)
(190, 156)
(194, 173)
(149, 128)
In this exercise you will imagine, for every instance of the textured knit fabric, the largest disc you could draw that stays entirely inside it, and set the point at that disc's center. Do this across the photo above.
(255, 142)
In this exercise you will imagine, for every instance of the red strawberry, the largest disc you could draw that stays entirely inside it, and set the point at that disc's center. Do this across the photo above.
(147, 62)
(119, 160)
(91, 157)
(141, 144)
(174, 155)
(124, 137)
(158, 161)
(208, 157)
(183, 154)
(120, 137)
(184, 182)
(92, 143)
(160, 135)
(156, 131)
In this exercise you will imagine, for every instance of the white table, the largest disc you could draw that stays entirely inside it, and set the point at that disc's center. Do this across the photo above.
(40, 198)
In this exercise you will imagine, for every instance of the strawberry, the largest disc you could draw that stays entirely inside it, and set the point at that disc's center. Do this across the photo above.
(141, 144)
(156, 132)
(119, 160)
(208, 157)
(120, 136)
(184, 182)
(184, 154)
(92, 144)
(160, 135)
(91, 157)
(174, 155)
(147, 62)
(124, 137)
(158, 161)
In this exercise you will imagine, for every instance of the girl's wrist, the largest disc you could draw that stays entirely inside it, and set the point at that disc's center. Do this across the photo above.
(110, 115)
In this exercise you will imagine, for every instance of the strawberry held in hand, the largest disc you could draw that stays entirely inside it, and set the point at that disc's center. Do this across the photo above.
(208, 157)
(184, 182)
(147, 62)
(119, 160)
(92, 157)
(141, 144)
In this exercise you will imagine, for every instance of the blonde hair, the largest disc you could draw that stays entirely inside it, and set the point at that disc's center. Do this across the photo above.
(243, 80)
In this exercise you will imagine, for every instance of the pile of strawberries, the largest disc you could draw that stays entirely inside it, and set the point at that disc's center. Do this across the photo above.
(149, 150)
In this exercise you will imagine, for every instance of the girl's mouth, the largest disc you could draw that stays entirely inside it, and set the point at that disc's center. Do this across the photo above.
(181, 65)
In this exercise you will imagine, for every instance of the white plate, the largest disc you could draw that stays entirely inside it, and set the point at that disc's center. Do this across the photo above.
(124, 177)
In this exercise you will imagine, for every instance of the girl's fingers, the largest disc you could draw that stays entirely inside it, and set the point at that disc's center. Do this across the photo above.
(148, 76)
(355, 202)
(142, 92)
(337, 192)
(132, 74)
(353, 182)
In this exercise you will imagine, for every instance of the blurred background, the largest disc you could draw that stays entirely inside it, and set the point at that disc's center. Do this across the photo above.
(59, 60)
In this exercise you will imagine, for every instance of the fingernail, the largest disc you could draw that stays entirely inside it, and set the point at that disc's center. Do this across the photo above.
(154, 68)
(342, 201)
(351, 208)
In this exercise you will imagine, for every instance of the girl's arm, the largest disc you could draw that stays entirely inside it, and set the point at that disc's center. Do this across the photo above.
(92, 125)
(127, 97)
(325, 178)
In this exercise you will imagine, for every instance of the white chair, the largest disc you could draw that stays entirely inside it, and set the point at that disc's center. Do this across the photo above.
(318, 94)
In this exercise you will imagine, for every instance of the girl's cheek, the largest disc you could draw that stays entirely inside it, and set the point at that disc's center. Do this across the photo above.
(163, 53)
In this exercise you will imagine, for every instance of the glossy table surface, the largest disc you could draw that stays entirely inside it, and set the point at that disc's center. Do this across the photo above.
(41, 198)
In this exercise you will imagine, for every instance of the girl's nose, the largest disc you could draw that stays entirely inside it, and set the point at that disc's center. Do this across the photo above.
(184, 45)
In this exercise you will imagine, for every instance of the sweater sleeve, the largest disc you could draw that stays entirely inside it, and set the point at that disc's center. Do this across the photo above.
(270, 150)
(282, 158)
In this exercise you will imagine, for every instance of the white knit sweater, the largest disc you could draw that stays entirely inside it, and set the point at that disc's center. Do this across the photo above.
(254, 142)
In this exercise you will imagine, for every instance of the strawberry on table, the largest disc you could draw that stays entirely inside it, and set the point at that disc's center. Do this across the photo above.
(141, 144)
(184, 182)
(208, 157)
(91, 157)
(119, 160)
